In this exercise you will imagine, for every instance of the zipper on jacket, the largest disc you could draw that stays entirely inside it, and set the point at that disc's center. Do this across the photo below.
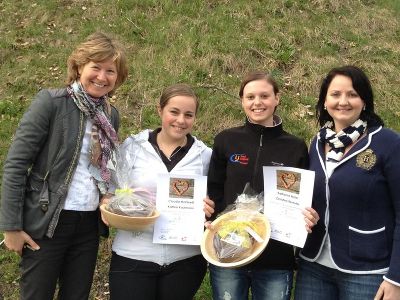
(254, 179)
(62, 191)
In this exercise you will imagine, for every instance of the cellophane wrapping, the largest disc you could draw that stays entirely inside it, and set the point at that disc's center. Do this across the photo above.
(129, 200)
(234, 237)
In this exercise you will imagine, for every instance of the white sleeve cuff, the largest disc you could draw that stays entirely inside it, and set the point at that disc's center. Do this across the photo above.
(391, 281)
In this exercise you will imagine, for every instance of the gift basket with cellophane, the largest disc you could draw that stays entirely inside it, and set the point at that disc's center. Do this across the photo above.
(239, 234)
(131, 208)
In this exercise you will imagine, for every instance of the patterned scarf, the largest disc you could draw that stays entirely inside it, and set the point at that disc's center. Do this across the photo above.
(104, 139)
(339, 141)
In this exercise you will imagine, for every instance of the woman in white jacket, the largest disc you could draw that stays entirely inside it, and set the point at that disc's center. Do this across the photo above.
(140, 269)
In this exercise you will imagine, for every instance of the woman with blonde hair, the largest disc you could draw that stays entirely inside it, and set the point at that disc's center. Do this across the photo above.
(49, 200)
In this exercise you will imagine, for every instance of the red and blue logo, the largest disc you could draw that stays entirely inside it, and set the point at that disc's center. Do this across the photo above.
(242, 159)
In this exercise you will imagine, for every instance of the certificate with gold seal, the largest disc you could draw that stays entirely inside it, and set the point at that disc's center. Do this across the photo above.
(287, 192)
(180, 203)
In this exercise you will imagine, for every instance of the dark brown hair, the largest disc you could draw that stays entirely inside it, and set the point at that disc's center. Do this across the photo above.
(361, 85)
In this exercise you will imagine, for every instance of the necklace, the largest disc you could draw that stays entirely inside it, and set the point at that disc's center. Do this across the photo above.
(174, 152)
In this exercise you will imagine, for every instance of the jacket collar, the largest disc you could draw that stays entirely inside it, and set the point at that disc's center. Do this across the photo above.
(143, 138)
(267, 132)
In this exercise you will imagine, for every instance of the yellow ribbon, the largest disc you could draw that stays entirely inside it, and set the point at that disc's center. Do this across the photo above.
(239, 227)
(126, 191)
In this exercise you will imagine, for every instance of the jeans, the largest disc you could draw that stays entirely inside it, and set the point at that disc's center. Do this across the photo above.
(132, 279)
(315, 282)
(234, 284)
(68, 258)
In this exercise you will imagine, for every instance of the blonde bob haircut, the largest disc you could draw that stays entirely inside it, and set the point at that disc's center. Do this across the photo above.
(98, 47)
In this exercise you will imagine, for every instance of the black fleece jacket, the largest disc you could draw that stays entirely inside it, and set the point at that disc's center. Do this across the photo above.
(238, 157)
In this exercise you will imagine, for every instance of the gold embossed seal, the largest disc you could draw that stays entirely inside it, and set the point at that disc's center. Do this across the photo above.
(366, 159)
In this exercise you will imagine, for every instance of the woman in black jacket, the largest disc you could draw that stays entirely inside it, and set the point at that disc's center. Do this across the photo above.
(238, 157)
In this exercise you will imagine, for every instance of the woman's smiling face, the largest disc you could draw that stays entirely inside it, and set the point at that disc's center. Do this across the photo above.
(178, 116)
(98, 78)
(259, 102)
(342, 102)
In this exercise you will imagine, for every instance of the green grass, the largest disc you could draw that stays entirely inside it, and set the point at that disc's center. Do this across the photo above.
(210, 44)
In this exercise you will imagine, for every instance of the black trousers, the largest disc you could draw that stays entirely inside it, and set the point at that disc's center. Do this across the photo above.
(134, 279)
(68, 258)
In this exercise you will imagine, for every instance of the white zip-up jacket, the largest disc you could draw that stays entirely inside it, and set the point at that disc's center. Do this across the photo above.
(144, 164)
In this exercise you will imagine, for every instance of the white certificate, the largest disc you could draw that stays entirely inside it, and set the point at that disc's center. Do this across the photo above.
(287, 191)
(180, 203)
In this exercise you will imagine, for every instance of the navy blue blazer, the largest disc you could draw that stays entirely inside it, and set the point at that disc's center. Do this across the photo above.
(359, 206)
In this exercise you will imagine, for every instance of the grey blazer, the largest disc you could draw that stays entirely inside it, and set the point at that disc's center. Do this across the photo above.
(40, 163)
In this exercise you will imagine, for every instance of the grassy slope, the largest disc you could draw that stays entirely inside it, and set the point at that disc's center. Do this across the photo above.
(209, 44)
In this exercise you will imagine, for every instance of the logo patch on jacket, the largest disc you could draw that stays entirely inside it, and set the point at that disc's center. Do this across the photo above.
(242, 159)
(366, 159)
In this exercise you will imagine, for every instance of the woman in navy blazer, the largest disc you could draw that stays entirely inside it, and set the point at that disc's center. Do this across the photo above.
(354, 250)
